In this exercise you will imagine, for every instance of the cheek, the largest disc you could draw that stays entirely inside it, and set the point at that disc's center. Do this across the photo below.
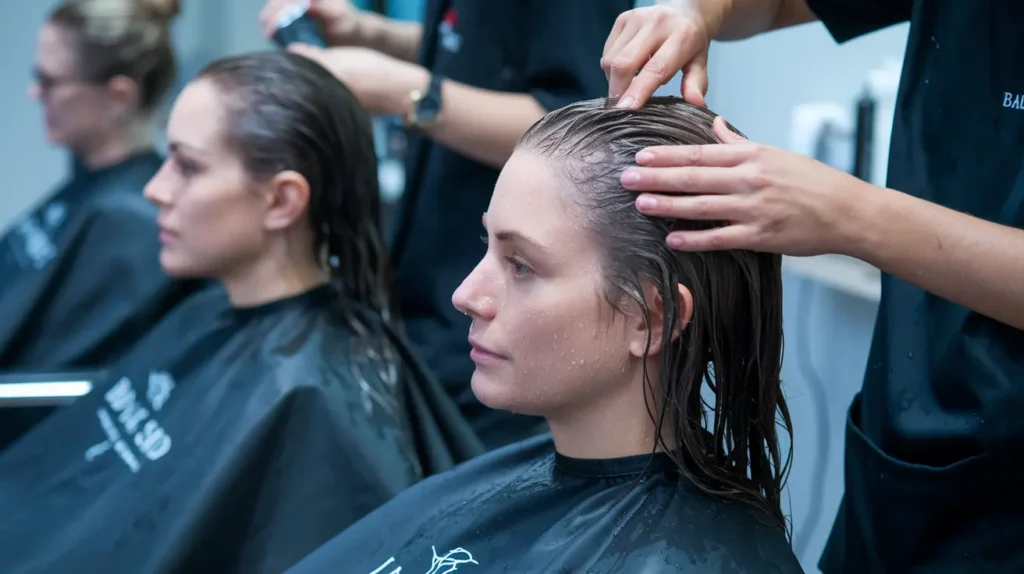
(566, 347)
(216, 229)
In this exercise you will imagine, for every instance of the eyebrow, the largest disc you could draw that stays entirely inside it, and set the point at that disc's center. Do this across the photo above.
(510, 235)
(178, 146)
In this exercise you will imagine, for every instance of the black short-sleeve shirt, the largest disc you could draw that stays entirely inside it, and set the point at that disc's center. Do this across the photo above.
(548, 48)
(933, 440)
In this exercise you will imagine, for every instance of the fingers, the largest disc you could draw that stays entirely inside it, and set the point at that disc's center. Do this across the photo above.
(695, 207)
(268, 15)
(620, 71)
(725, 134)
(736, 236)
(658, 70)
(686, 180)
(306, 50)
(695, 80)
(712, 155)
(620, 25)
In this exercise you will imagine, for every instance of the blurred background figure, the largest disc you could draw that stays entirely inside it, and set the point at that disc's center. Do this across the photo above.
(467, 81)
(79, 278)
(274, 423)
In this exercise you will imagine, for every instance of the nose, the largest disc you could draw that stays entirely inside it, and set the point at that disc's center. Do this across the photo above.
(475, 296)
(157, 190)
(35, 91)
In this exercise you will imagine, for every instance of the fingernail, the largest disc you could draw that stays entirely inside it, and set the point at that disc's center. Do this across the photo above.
(646, 202)
(626, 102)
(629, 177)
(674, 241)
(644, 157)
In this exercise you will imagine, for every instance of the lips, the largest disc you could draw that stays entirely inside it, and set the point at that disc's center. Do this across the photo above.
(482, 355)
(166, 234)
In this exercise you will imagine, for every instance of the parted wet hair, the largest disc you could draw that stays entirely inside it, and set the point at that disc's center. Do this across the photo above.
(720, 394)
(286, 112)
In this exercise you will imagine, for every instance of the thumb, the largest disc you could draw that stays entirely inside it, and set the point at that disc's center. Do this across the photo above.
(725, 133)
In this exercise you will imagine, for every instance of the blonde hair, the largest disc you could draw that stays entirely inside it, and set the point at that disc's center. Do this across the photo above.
(129, 38)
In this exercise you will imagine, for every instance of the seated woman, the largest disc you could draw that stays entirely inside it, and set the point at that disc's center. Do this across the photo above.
(282, 419)
(79, 276)
(658, 372)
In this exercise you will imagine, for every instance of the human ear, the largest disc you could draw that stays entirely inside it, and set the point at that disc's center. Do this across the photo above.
(639, 328)
(287, 200)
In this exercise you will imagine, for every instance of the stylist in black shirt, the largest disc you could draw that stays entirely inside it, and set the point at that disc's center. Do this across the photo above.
(933, 440)
(469, 81)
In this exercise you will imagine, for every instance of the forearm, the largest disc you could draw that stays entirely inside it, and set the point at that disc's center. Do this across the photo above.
(482, 124)
(969, 261)
(397, 38)
(740, 19)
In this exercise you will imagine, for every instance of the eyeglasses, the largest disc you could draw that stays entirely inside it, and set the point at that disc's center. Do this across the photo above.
(48, 82)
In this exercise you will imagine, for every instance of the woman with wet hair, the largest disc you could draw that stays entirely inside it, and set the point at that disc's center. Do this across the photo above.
(658, 373)
(79, 276)
(292, 408)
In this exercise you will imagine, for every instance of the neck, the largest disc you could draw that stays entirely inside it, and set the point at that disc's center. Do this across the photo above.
(277, 276)
(134, 139)
(611, 426)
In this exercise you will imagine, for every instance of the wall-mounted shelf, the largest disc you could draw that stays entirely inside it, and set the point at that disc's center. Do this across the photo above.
(846, 274)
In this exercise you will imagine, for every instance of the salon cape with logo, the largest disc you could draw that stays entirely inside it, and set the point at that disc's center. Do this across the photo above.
(526, 509)
(240, 447)
(80, 280)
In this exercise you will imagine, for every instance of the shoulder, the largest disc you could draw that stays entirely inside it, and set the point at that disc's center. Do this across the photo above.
(502, 466)
(848, 19)
(735, 536)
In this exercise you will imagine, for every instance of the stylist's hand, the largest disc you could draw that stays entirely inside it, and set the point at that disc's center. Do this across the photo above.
(648, 46)
(341, 22)
(774, 200)
(382, 83)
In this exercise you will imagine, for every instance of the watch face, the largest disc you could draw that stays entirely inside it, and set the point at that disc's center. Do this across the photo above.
(428, 108)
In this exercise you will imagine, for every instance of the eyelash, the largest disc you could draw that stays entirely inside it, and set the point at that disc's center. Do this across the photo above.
(185, 168)
(520, 270)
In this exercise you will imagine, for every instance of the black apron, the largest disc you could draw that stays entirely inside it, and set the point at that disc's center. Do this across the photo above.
(80, 278)
(526, 509)
(933, 441)
(228, 441)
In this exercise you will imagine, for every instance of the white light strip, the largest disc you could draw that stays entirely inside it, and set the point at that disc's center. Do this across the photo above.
(43, 390)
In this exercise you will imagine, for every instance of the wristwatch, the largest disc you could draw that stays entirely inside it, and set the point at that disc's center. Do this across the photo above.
(426, 104)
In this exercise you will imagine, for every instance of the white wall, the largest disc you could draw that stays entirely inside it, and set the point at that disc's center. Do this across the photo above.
(28, 165)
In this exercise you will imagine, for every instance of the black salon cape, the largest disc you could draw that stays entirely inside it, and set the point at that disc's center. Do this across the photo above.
(241, 450)
(80, 277)
(526, 509)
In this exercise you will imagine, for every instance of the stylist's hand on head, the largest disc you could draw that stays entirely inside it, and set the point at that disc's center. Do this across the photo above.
(649, 45)
(342, 23)
(773, 200)
(382, 83)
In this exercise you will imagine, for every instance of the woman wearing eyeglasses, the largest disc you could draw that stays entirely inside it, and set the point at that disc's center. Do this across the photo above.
(80, 280)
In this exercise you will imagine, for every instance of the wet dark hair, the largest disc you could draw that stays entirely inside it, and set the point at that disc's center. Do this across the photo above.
(733, 342)
(285, 112)
(129, 38)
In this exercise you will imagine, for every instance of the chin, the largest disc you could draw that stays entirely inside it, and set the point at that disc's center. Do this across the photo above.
(501, 393)
(173, 266)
